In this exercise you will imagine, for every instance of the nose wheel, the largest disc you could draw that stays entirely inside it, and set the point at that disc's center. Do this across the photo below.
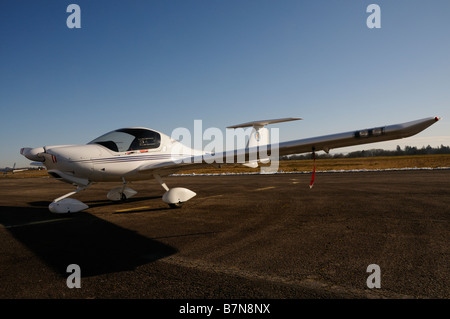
(121, 193)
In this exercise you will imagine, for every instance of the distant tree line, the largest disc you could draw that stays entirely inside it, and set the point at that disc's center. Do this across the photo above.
(408, 150)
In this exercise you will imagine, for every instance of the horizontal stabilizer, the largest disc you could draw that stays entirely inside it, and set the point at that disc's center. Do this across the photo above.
(265, 122)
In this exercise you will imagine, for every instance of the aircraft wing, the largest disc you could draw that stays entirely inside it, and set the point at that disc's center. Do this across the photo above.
(325, 143)
(351, 138)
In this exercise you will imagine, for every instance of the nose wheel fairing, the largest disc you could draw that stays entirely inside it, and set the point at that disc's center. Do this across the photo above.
(63, 205)
(67, 205)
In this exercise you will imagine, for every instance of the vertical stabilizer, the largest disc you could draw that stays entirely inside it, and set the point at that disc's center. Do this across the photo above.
(260, 136)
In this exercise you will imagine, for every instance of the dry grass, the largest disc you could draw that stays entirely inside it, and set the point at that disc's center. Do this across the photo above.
(25, 174)
(415, 161)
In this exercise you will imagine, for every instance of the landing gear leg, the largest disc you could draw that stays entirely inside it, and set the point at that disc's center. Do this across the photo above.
(161, 182)
(123, 197)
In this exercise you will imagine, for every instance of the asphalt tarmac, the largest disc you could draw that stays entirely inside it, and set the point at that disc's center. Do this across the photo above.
(244, 236)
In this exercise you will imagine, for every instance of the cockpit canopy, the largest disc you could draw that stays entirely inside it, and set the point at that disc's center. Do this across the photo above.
(129, 139)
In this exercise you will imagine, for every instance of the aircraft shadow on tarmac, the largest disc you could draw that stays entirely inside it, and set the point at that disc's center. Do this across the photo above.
(107, 202)
(97, 246)
(103, 203)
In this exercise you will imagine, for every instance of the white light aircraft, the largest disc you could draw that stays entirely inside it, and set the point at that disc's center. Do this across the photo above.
(13, 170)
(131, 154)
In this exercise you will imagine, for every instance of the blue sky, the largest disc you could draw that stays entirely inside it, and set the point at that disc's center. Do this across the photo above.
(164, 64)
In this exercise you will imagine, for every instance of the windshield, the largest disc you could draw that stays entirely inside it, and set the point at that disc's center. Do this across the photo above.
(129, 139)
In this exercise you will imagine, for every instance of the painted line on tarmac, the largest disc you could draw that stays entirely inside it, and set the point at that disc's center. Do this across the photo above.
(39, 222)
(263, 189)
(132, 209)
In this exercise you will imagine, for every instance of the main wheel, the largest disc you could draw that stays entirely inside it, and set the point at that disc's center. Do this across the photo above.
(176, 205)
